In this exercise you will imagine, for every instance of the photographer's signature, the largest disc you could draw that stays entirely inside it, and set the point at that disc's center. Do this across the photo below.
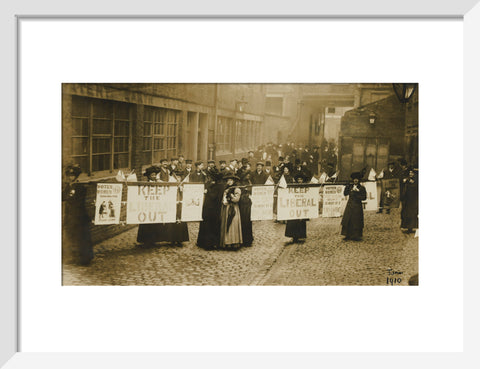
(394, 277)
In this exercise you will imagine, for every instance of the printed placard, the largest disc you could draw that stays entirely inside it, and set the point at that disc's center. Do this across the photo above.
(151, 204)
(192, 202)
(371, 202)
(391, 192)
(297, 203)
(334, 201)
(107, 203)
(262, 202)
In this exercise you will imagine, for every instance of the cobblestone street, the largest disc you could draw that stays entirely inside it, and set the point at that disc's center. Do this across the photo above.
(324, 259)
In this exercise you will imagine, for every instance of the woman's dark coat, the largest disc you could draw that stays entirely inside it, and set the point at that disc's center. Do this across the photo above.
(409, 197)
(209, 230)
(352, 221)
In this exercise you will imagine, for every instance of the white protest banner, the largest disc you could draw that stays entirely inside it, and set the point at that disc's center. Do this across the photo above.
(297, 203)
(192, 202)
(371, 202)
(151, 204)
(107, 204)
(334, 201)
(262, 202)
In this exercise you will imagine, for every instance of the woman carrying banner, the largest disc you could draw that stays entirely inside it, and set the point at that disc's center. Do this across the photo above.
(245, 206)
(209, 230)
(409, 197)
(149, 234)
(231, 224)
(352, 221)
(297, 228)
(77, 246)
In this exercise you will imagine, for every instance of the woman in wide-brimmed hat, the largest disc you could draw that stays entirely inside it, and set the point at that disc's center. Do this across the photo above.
(231, 224)
(352, 221)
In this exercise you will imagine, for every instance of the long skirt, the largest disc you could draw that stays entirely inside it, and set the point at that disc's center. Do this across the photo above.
(296, 228)
(352, 221)
(245, 206)
(168, 232)
(77, 247)
(230, 236)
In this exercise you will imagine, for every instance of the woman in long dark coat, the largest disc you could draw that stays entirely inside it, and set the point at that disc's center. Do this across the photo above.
(297, 228)
(77, 241)
(245, 205)
(209, 230)
(409, 197)
(352, 221)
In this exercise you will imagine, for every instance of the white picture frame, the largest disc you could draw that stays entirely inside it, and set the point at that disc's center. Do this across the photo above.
(469, 10)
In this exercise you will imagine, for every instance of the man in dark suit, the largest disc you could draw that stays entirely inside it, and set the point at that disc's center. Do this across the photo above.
(259, 176)
(198, 176)
(188, 170)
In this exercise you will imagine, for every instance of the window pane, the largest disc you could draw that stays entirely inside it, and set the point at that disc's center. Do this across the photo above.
(121, 144)
(102, 109)
(120, 161)
(82, 161)
(80, 107)
(100, 162)
(147, 129)
(121, 128)
(79, 146)
(122, 111)
(158, 155)
(158, 129)
(101, 145)
(147, 143)
(102, 126)
(158, 144)
(80, 126)
(148, 115)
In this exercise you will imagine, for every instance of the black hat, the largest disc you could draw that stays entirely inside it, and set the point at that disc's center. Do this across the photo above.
(150, 170)
(297, 161)
(391, 163)
(356, 175)
(73, 170)
(197, 163)
(268, 163)
(222, 162)
(231, 176)
(300, 175)
(244, 160)
(260, 163)
(330, 164)
(211, 161)
(188, 161)
(172, 159)
(402, 162)
(215, 174)
(280, 158)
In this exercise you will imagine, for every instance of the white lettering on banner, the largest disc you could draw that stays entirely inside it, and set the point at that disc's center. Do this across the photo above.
(151, 204)
(262, 203)
(371, 202)
(192, 202)
(297, 203)
(108, 202)
(334, 201)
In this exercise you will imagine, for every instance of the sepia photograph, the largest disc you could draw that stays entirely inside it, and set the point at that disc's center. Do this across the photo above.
(216, 184)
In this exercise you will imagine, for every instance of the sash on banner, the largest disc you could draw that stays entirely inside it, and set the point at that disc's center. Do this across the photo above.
(107, 204)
